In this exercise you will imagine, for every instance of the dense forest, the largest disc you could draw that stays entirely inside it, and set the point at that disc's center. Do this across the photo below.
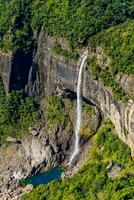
(118, 42)
(20, 19)
(17, 112)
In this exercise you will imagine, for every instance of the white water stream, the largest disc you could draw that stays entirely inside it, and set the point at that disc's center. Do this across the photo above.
(79, 109)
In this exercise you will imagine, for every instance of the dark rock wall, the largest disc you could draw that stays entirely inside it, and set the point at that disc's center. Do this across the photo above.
(14, 70)
(19, 71)
(53, 70)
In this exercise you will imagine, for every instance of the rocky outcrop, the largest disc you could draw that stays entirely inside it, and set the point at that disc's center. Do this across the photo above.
(121, 114)
(17, 161)
(127, 82)
(5, 69)
(114, 170)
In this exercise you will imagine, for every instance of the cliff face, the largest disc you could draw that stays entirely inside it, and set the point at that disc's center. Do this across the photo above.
(14, 70)
(121, 114)
(54, 70)
(49, 71)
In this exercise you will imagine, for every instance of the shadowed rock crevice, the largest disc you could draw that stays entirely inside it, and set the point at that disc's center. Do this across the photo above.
(19, 71)
(70, 94)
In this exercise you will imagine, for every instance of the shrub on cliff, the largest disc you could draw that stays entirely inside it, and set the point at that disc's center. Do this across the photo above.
(55, 112)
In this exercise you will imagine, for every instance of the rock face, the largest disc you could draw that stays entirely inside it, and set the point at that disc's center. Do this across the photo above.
(5, 69)
(14, 70)
(52, 69)
(127, 82)
(121, 114)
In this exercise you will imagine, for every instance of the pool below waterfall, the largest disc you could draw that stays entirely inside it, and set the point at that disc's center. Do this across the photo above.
(44, 177)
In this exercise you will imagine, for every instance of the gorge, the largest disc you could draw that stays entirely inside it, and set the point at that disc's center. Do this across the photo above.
(67, 99)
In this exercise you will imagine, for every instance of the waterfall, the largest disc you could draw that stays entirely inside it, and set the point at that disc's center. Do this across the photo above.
(78, 121)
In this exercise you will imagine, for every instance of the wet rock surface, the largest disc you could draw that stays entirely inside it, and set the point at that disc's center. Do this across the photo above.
(5, 69)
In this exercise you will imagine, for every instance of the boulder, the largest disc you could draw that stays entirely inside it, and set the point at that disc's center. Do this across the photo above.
(114, 172)
(33, 131)
(29, 187)
(12, 140)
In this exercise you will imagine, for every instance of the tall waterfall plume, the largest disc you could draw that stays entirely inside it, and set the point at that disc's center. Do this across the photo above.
(79, 109)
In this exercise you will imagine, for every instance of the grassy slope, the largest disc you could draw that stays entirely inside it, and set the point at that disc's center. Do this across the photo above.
(92, 181)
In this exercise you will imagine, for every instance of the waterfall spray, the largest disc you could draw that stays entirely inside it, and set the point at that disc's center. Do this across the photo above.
(78, 121)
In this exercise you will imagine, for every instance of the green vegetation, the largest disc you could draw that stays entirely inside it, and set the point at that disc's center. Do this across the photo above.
(67, 54)
(108, 24)
(87, 129)
(17, 112)
(88, 109)
(55, 112)
(76, 21)
(92, 181)
(117, 47)
(15, 25)
(107, 78)
(118, 43)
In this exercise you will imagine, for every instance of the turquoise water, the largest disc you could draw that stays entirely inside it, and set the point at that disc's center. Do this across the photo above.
(44, 177)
